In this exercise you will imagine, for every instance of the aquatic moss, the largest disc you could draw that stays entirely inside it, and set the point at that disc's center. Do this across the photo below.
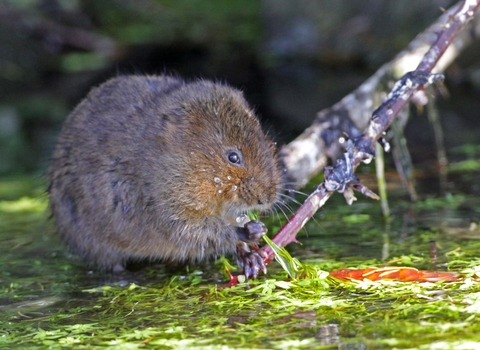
(49, 300)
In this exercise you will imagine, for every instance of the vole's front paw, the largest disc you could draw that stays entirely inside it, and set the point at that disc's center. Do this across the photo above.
(252, 231)
(251, 261)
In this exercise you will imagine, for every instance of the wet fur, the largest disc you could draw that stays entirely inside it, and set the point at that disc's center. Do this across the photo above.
(140, 171)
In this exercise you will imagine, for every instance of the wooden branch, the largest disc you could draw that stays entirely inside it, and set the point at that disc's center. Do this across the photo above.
(360, 148)
(307, 155)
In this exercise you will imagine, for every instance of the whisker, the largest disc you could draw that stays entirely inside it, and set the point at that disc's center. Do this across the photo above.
(298, 192)
(286, 206)
(287, 189)
(290, 199)
(277, 205)
(276, 214)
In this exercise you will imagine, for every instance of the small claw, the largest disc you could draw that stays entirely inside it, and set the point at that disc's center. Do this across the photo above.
(253, 264)
(251, 261)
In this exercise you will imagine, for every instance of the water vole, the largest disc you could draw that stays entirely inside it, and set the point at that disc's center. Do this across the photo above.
(152, 167)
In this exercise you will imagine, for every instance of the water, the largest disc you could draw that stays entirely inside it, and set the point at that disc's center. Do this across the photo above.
(50, 299)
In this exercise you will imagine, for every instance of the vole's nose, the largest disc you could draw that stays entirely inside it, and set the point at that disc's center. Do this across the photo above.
(262, 201)
(267, 198)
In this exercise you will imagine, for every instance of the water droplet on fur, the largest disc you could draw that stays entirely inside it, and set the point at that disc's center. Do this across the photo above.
(216, 179)
(234, 188)
(241, 218)
(220, 191)
(229, 177)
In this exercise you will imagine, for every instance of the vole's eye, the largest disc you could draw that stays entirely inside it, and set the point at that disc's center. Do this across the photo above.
(234, 157)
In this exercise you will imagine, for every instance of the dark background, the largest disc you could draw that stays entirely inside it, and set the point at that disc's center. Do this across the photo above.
(291, 58)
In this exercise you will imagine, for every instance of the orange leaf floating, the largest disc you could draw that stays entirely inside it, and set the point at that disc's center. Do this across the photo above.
(404, 274)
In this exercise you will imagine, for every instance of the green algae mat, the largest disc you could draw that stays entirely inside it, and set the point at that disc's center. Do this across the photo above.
(50, 300)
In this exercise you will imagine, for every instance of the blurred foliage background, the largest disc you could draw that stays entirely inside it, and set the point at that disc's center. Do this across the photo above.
(292, 58)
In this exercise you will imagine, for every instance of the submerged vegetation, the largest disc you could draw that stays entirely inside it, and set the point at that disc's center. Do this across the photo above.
(49, 300)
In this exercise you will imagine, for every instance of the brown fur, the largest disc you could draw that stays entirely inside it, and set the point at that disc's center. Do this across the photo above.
(140, 171)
